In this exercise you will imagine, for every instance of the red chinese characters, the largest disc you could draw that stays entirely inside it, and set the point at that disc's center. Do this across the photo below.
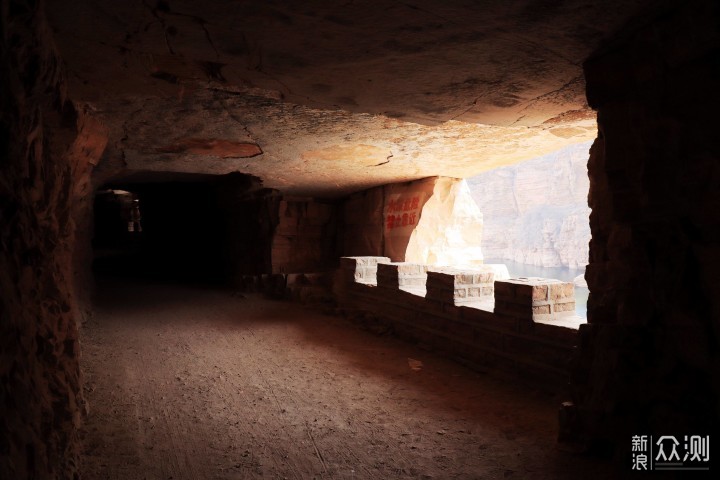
(402, 212)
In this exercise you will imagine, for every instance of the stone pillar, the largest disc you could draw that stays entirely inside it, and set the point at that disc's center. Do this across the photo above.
(401, 274)
(47, 150)
(649, 357)
(361, 269)
(534, 298)
(456, 286)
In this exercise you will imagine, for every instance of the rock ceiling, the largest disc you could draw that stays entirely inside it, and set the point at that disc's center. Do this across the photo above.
(328, 97)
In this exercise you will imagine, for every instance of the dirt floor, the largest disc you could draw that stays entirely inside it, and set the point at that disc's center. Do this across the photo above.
(200, 383)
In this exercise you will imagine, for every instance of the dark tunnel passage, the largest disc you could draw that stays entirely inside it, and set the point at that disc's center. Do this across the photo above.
(193, 229)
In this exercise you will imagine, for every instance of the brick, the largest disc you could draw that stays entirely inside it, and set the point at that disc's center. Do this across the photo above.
(411, 281)
(565, 307)
(487, 277)
(562, 291)
(395, 274)
(536, 298)
(361, 269)
(456, 285)
(465, 278)
(540, 292)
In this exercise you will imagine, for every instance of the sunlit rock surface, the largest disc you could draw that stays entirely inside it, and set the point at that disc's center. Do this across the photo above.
(329, 98)
(450, 228)
(536, 212)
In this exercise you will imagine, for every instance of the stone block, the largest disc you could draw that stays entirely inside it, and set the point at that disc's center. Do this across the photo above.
(363, 261)
(561, 291)
(565, 307)
(418, 281)
(504, 289)
(485, 277)
(401, 274)
(534, 298)
(453, 285)
(361, 269)
(539, 292)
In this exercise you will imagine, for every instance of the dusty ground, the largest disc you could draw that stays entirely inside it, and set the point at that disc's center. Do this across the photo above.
(195, 383)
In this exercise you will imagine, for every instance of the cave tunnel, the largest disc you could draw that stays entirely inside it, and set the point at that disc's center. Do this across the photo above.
(237, 241)
(202, 229)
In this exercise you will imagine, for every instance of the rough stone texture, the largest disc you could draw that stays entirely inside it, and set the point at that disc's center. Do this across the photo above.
(361, 231)
(450, 228)
(250, 219)
(536, 212)
(535, 298)
(403, 209)
(649, 355)
(459, 286)
(46, 149)
(338, 96)
(432, 221)
(304, 239)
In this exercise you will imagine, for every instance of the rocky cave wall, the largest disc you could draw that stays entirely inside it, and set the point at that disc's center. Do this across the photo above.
(380, 221)
(312, 234)
(433, 220)
(648, 358)
(47, 147)
(450, 230)
(305, 236)
(361, 232)
(250, 220)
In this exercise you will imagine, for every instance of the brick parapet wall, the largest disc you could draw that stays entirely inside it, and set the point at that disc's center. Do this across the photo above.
(537, 350)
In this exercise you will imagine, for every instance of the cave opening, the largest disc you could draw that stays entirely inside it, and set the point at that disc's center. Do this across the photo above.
(536, 218)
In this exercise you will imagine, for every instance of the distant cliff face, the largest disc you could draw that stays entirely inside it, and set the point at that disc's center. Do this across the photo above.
(536, 212)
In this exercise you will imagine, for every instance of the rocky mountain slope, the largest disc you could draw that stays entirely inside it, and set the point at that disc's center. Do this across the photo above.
(536, 212)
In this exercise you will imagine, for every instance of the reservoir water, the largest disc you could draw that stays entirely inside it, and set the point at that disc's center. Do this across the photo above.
(560, 273)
